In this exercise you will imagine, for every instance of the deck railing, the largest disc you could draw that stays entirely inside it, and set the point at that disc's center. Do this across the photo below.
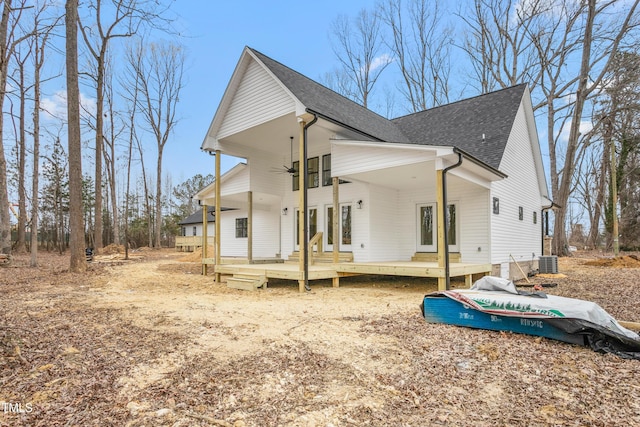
(316, 241)
(192, 242)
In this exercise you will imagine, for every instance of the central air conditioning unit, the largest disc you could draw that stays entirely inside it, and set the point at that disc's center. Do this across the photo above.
(548, 265)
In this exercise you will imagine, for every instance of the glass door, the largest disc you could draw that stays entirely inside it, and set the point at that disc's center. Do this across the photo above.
(312, 226)
(344, 224)
(427, 228)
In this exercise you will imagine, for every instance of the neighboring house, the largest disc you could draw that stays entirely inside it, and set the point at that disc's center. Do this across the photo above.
(191, 230)
(376, 187)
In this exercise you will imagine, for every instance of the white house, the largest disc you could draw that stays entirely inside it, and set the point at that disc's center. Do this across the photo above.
(376, 188)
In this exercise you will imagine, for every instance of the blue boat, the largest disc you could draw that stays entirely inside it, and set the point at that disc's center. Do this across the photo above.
(441, 309)
(495, 304)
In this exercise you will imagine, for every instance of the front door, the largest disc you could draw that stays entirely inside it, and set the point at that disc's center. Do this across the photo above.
(427, 226)
(344, 224)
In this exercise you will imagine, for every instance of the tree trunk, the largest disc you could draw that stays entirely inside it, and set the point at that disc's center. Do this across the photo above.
(78, 261)
(158, 231)
(5, 220)
(35, 186)
(97, 239)
(21, 244)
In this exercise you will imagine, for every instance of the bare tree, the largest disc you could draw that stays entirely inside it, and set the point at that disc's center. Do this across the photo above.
(620, 112)
(421, 50)
(533, 42)
(498, 42)
(110, 19)
(601, 40)
(111, 135)
(159, 71)
(20, 57)
(8, 42)
(359, 51)
(78, 261)
(41, 37)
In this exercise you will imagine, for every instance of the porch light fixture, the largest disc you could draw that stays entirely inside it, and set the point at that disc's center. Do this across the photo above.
(359, 204)
(284, 211)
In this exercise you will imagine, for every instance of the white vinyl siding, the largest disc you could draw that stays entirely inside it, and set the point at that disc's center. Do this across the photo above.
(238, 183)
(473, 219)
(520, 189)
(385, 224)
(265, 234)
(211, 229)
(268, 175)
(258, 99)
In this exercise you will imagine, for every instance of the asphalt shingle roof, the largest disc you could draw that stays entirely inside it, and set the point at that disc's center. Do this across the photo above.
(331, 104)
(196, 218)
(460, 124)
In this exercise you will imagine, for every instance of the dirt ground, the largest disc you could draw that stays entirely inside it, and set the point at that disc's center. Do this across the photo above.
(152, 342)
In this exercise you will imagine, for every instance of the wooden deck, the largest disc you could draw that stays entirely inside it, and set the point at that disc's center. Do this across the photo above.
(261, 273)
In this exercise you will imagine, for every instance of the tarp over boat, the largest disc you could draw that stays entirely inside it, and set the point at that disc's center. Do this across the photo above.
(579, 320)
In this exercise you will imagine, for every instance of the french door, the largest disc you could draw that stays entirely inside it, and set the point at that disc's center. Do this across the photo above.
(312, 224)
(344, 224)
(427, 228)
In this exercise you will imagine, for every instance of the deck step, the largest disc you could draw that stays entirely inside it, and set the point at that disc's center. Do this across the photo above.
(247, 281)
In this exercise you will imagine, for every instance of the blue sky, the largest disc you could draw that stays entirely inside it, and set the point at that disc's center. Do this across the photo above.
(292, 32)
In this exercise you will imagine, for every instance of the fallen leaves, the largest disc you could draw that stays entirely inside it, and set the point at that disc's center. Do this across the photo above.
(90, 365)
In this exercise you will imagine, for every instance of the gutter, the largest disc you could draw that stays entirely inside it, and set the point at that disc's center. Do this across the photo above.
(445, 212)
(336, 122)
(305, 220)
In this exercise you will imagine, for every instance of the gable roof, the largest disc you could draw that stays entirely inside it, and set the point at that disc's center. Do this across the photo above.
(460, 124)
(479, 126)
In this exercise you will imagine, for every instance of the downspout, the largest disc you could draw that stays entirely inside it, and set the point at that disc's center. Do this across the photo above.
(544, 223)
(305, 220)
(445, 212)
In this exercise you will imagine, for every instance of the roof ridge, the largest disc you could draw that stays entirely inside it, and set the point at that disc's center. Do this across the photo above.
(460, 100)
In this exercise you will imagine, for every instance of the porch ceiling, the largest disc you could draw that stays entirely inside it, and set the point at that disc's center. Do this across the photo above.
(261, 201)
(417, 175)
(275, 135)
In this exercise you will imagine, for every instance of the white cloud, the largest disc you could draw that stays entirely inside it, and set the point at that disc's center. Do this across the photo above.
(55, 107)
(585, 126)
(380, 61)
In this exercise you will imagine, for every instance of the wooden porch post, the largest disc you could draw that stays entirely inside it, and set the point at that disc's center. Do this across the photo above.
(250, 228)
(217, 223)
(336, 227)
(205, 225)
(301, 212)
(442, 280)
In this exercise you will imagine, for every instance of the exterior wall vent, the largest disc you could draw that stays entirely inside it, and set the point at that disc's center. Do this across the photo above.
(548, 264)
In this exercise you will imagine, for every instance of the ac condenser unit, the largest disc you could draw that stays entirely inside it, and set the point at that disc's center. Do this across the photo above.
(548, 264)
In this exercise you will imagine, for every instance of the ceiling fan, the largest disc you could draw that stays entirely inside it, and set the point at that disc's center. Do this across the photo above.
(288, 169)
